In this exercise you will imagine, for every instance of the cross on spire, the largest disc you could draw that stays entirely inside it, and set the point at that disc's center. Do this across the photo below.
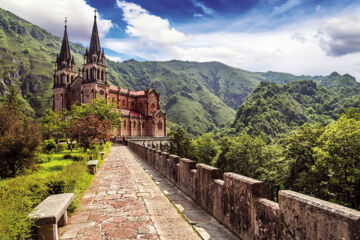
(65, 21)
(95, 13)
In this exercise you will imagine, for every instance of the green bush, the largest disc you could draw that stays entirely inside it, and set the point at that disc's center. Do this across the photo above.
(61, 147)
(80, 157)
(48, 146)
(43, 158)
(18, 197)
(67, 156)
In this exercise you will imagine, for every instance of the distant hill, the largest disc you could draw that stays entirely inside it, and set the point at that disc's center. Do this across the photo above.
(198, 96)
(275, 109)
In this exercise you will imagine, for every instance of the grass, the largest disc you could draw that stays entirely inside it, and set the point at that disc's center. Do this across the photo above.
(19, 195)
(56, 164)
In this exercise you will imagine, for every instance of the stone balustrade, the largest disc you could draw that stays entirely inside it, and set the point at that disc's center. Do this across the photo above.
(242, 204)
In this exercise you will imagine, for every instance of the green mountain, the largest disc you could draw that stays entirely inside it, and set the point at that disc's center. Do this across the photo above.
(198, 96)
(275, 109)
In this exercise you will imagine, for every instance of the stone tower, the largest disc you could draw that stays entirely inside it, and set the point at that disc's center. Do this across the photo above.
(94, 70)
(64, 74)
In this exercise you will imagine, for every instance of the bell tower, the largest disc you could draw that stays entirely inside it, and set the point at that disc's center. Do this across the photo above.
(94, 70)
(64, 74)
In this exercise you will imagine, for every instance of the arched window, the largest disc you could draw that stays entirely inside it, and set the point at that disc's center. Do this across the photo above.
(124, 123)
(98, 74)
(143, 124)
(153, 106)
(134, 124)
(87, 73)
(67, 78)
(102, 74)
(123, 103)
(72, 78)
(159, 125)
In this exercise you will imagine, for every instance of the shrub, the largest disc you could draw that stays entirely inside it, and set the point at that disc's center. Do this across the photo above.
(48, 146)
(61, 147)
(67, 156)
(20, 139)
(80, 157)
(43, 158)
(18, 197)
(55, 186)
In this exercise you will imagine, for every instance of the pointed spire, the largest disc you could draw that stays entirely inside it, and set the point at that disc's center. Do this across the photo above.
(65, 49)
(94, 42)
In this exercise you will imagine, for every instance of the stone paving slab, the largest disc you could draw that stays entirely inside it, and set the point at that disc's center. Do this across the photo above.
(123, 202)
(206, 225)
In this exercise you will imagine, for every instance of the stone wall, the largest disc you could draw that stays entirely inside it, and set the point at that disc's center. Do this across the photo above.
(242, 204)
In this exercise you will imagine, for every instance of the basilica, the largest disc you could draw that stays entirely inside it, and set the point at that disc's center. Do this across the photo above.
(141, 114)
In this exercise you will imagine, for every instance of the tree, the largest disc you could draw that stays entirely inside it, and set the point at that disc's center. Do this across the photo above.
(244, 154)
(89, 130)
(337, 156)
(20, 139)
(180, 143)
(99, 109)
(299, 153)
(205, 148)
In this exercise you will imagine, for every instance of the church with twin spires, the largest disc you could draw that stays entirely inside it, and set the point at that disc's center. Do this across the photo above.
(141, 114)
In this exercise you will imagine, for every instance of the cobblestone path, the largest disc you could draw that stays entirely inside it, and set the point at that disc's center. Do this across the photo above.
(124, 203)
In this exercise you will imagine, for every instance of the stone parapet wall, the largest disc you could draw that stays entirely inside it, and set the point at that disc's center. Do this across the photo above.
(242, 204)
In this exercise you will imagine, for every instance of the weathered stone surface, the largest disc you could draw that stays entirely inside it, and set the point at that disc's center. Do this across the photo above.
(306, 217)
(124, 203)
(52, 208)
(268, 224)
(242, 204)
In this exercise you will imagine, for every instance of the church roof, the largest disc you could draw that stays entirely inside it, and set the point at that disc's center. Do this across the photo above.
(95, 41)
(65, 49)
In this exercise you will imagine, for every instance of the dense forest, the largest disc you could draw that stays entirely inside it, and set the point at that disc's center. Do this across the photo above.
(298, 136)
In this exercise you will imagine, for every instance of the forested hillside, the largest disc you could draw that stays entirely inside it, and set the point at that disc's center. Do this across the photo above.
(274, 109)
(198, 96)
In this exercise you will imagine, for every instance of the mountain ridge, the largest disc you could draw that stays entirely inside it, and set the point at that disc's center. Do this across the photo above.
(197, 96)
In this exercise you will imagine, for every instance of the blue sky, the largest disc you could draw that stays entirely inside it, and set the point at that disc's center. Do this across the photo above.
(297, 36)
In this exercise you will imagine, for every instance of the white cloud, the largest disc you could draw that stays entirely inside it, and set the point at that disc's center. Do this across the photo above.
(149, 27)
(340, 35)
(50, 14)
(286, 6)
(206, 10)
(114, 58)
(299, 37)
(294, 49)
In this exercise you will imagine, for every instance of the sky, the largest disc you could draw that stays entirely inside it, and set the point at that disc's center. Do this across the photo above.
(302, 37)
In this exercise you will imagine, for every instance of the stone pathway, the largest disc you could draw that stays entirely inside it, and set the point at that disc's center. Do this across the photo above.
(205, 224)
(124, 203)
(129, 200)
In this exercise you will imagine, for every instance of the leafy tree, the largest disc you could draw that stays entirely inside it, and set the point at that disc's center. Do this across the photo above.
(89, 130)
(243, 154)
(180, 143)
(337, 155)
(100, 109)
(50, 125)
(299, 153)
(205, 148)
(20, 139)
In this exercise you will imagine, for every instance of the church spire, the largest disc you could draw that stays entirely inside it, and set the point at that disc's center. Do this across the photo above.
(94, 42)
(64, 58)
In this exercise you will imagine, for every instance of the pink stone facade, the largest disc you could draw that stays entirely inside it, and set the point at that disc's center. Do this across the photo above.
(141, 114)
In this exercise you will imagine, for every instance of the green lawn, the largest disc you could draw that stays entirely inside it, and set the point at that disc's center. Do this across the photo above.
(19, 195)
